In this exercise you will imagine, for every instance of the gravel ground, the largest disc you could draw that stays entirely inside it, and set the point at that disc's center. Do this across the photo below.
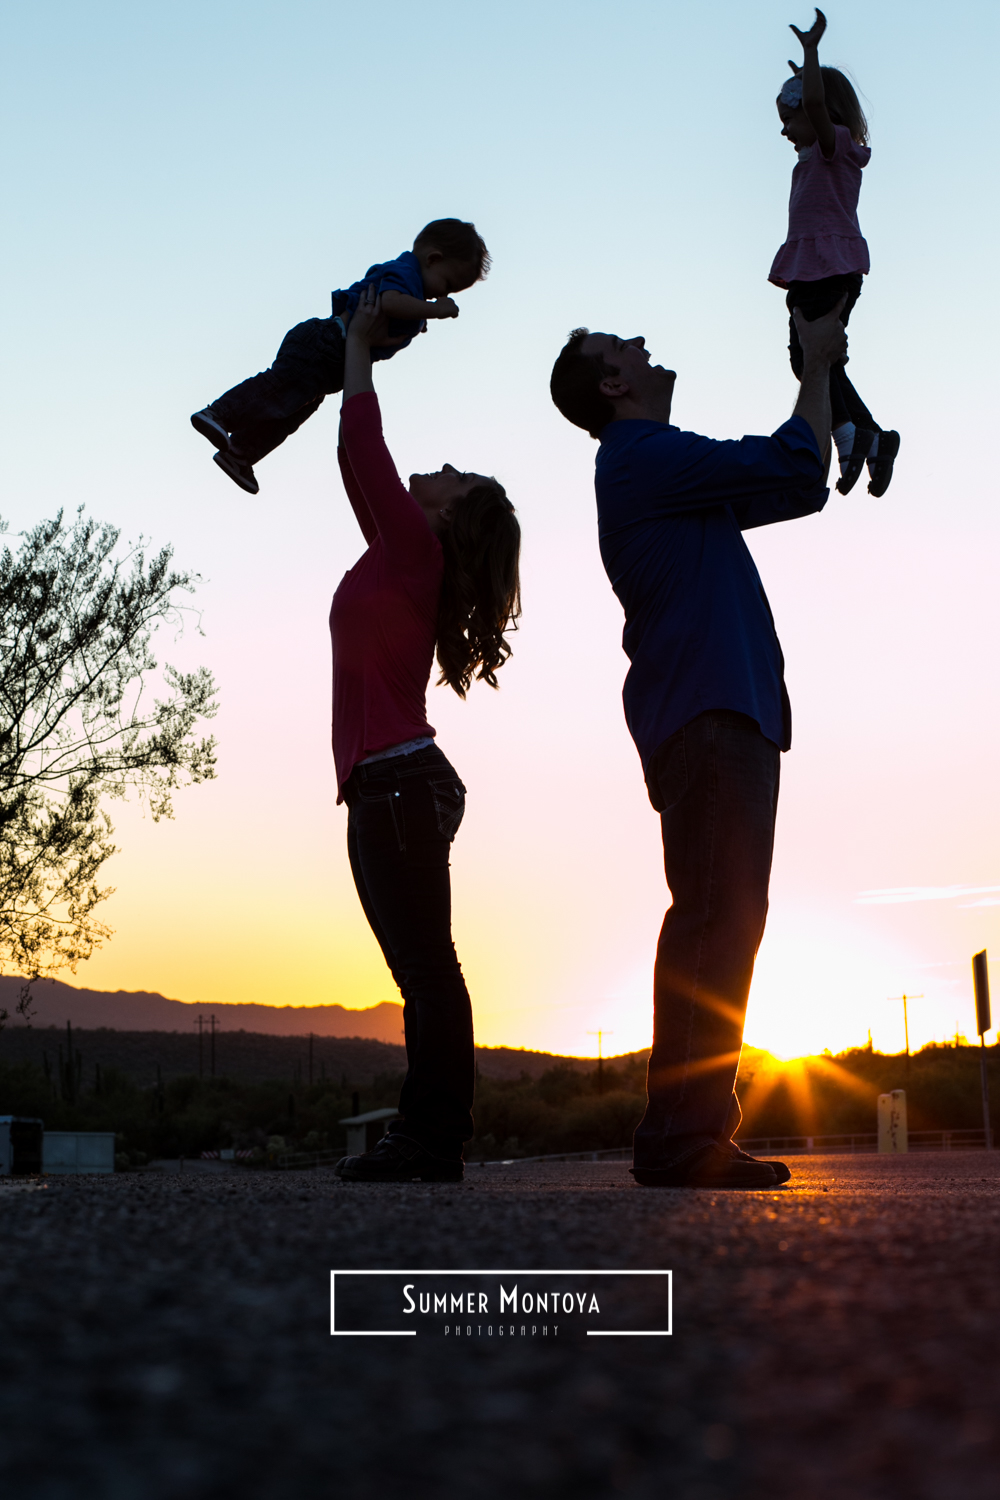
(167, 1335)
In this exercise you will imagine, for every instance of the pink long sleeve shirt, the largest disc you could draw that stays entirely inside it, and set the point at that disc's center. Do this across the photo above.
(383, 621)
(824, 236)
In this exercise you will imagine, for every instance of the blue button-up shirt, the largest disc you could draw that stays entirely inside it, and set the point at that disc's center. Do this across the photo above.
(671, 510)
(399, 275)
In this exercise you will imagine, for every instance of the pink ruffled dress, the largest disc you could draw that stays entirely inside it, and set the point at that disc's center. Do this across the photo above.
(824, 236)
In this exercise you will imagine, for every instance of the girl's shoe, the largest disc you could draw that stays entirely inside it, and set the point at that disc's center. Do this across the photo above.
(208, 424)
(880, 467)
(863, 440)
(239, 471)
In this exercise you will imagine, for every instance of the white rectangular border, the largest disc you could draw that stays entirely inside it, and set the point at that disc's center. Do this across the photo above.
(592, 1333)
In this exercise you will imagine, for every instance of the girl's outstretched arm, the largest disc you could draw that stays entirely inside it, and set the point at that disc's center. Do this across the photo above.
(813, 94)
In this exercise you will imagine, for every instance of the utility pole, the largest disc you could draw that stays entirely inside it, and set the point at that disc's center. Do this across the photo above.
(906, 1022)
(310, 1059)
(981, 982)
(201, 1046)
(600, 1035)
(211, 1045)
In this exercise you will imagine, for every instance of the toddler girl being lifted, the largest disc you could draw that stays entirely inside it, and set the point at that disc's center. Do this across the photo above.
(825, 256)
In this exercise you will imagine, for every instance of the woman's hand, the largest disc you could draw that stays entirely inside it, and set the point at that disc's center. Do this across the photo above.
(368, 326)
(368, 323)
(811, 37)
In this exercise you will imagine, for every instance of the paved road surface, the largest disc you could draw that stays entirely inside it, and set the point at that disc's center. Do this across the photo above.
(167, 1336)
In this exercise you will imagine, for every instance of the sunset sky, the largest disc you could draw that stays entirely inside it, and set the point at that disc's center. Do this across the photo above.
(186, 181)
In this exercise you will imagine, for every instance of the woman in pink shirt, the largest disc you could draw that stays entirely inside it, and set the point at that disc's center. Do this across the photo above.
(440, 570)
(825, 257)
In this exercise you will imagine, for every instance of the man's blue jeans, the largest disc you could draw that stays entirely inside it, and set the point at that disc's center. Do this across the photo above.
(715, 785)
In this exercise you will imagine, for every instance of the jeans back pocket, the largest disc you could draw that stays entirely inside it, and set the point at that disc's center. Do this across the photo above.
(448, 796)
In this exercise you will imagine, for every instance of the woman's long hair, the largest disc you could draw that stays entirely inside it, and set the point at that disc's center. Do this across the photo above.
(481, 590)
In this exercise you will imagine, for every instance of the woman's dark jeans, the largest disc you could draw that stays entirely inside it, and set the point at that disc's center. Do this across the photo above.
(816, 298)
(715, 786)
(402, 816)
(261, 412)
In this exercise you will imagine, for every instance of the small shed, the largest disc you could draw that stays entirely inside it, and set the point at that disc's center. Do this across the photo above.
(365, 1131)
(20, 1145)
(78, 1151)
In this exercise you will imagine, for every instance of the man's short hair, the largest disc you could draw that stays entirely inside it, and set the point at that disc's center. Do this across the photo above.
(458, 241)
(575, 385)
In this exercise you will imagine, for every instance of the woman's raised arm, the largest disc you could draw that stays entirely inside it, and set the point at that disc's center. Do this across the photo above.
(400, 521)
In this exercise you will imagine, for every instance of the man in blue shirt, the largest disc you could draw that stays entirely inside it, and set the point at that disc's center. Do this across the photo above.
(705, 702)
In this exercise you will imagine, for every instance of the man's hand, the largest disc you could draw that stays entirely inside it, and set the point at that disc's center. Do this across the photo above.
(442, 307)
(811, 37)
(824, 341)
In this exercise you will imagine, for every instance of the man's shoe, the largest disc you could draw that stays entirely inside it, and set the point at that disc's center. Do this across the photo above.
(398, 1159)
(239, 471)
(208, 424)
(781, 1172)
(880, 467)
(863, 440)
(711, 1167)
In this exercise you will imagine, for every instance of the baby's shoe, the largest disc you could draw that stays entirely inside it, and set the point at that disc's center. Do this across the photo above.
(208, 424)
(880, 467)
(239, 471)
(863, 440)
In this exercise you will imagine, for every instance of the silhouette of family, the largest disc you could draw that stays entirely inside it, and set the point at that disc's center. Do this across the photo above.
(704, 698)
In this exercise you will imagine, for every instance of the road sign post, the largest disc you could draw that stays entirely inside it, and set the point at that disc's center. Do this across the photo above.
(981, 981)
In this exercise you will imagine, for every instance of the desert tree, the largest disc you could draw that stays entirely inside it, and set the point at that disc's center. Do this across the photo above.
(85, 714)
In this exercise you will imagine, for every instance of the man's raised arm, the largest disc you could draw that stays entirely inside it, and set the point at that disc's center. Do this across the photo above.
(824, 343)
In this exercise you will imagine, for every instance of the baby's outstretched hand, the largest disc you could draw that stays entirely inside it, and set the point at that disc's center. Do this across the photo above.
(444, 307)
(811, 37)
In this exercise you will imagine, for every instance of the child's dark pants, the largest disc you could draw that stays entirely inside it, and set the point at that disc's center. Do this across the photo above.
(259, 413)
(816, 298)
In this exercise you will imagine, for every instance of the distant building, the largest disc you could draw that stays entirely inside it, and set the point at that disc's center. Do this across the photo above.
(365, 1131)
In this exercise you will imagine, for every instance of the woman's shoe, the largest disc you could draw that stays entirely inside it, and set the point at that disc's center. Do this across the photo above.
(880, 467)
(239, 471)
(863, 440)
(397, 1158)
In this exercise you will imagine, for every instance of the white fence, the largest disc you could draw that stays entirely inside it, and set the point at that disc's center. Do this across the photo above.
(822, 1145)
